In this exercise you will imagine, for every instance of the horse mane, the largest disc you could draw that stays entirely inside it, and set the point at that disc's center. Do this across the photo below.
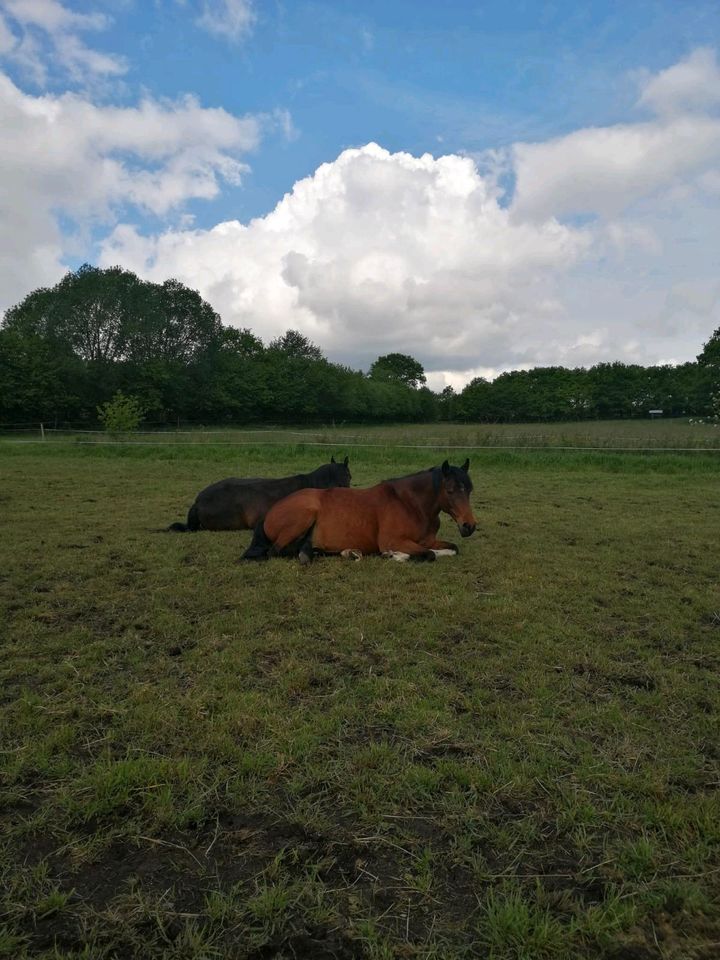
(436, 474)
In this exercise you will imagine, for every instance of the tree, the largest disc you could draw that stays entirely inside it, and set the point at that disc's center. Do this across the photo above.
(108, 316)
(88, 311)
(173, 323)
(710, 353)
(296, 345)
(121, 414)
(709, 358)
(474, 403)
(398, 368)
(37, 381)
(240, 342)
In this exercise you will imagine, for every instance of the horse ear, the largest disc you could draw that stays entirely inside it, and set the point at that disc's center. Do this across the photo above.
(445, 467)
(346, 461)
(332, 459)
(466, 465)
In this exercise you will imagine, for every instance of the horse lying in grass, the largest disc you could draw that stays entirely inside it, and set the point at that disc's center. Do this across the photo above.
(398, 518)
(236, 504)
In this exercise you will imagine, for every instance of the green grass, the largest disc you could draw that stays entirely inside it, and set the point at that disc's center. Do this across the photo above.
(510, 754)
(637, 434)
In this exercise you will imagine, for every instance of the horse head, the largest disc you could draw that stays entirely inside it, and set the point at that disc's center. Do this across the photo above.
(338, 474)
(455, 487)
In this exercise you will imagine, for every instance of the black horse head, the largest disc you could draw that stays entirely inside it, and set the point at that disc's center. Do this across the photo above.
(332, 474)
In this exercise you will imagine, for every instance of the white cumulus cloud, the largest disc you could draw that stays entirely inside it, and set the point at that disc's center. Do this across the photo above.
(603, 170)
(65, 155)
(604, 248)
(691, 84)
(377, 252)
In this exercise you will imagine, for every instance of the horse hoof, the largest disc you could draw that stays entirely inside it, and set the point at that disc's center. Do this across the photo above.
(423, 557)
(351, 555)
(304, 558)
(447, 551)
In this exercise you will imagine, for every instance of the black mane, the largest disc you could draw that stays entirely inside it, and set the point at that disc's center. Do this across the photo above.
(436, 472)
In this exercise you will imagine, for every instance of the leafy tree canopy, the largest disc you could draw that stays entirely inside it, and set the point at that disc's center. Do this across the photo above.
(112, 315)
(241, 342)
(710, 353)
(398, 368)
(294, 344)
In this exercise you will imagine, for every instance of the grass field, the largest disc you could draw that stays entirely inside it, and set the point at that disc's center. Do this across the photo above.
(511, 754)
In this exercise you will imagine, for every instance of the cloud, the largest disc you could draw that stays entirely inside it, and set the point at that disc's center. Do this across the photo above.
(229, 19)
(603, 170)
(64, 156)
(588, 255)
(598, 245)
(49, 38)
(691, 84)
(8, 39)
(377, 252)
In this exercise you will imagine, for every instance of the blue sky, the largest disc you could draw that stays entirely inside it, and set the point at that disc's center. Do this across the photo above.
(470, 81)
(415, 76)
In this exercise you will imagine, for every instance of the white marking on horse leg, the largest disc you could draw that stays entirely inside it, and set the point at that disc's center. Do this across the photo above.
(351, 554)
(444, 553)
(397, 555)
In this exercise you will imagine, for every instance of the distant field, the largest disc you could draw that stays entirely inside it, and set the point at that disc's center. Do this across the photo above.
(603, 434)
(511, 754)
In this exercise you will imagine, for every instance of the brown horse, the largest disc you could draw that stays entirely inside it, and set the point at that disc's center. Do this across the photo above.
(399, 517)
(236, 504)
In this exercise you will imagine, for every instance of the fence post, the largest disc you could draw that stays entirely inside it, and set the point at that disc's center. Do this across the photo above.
(42, 432)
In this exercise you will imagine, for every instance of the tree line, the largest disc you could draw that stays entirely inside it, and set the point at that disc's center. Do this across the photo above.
(66, 350)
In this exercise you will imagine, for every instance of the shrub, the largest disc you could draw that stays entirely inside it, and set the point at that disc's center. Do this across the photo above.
(121, 414)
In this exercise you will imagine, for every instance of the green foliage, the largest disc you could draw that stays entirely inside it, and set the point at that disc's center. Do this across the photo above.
(398, 368)
(296, 346)
(111, 316)
(121, 414)
(68, 349)
(710, 353)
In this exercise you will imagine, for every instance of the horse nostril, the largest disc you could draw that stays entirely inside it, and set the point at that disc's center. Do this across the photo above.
(467, 529)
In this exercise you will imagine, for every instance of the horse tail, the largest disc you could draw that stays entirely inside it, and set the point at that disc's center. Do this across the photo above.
(193, 522)
(260, 545)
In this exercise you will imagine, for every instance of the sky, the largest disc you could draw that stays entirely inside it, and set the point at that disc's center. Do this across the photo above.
(486, 186)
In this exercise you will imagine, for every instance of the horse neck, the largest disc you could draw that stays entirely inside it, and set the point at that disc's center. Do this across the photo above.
(420, 490)
(319, 479)
(297, 482)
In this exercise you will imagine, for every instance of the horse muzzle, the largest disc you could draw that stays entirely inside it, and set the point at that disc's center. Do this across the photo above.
(466, 529)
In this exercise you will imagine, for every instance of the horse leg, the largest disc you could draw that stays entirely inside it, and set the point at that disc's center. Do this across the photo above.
(403, 549)
(294, 538)
(260, 546)
(442, 548)
(305, 552)
(351, 554)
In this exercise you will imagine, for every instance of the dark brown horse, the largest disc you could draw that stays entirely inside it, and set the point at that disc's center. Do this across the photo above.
(236, 504)
(398, 518)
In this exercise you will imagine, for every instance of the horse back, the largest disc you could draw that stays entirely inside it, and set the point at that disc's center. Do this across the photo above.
(233, 504)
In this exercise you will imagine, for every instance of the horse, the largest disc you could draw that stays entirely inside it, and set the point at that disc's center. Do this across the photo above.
(240, 504)
(398, 518)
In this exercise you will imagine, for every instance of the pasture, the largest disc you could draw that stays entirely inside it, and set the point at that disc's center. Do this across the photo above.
(510, 754)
